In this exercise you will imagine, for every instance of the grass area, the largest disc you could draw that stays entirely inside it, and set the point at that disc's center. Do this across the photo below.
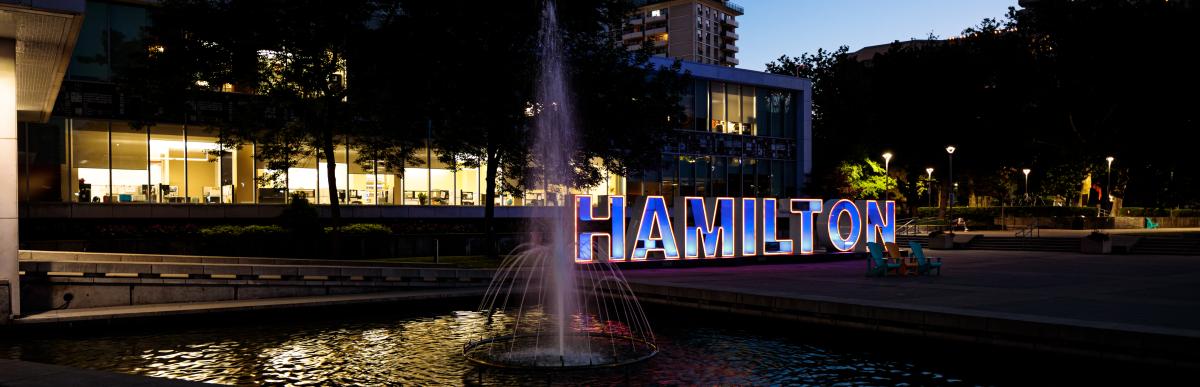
(463, 261)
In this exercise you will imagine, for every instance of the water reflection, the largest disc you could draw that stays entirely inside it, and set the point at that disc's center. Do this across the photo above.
(426, 350)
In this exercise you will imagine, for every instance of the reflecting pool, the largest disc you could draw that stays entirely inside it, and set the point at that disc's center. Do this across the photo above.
(425, 348)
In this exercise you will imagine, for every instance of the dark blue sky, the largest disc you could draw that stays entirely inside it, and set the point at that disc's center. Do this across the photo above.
(771, 28)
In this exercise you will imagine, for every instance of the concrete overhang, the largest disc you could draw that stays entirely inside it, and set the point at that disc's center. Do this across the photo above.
(45, 32)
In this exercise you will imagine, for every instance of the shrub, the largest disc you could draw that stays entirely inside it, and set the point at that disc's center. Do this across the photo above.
(363, 229)
(237, 230)
(301, 217)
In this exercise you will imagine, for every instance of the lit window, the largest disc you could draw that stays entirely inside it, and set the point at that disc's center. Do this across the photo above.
(655, 13)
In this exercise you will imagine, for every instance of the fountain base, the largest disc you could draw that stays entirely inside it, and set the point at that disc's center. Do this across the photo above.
(605, 350)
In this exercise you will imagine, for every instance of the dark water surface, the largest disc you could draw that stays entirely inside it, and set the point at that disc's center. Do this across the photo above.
(385, 346)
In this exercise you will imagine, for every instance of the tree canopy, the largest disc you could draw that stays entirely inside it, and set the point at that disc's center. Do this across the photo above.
(1055, 87)
(393, 77)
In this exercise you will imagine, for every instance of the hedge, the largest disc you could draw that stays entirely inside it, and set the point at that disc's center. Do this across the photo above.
(259, 230)
(363, 229)
(239, 230)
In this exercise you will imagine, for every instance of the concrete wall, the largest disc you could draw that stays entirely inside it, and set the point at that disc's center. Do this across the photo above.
(5, 303)
(8, 167)
(103, 283)
(1133, 222)
(1122, 222)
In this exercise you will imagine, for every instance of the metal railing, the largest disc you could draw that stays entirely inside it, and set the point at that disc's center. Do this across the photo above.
(914, 226)
(735, 7)
(1028, 231)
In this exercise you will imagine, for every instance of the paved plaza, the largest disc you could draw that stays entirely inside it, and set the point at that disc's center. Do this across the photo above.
(1135, 290)
(1132, 307)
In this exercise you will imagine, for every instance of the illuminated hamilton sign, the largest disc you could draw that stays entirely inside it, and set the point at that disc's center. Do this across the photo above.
(609, 228)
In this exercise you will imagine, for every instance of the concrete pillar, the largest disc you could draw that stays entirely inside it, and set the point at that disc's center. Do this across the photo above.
(8, 171)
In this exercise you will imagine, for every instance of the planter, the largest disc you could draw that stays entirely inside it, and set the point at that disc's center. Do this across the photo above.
(942, 242)
(1095, 246)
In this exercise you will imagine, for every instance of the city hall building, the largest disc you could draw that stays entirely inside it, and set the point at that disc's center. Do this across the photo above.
(748, 134)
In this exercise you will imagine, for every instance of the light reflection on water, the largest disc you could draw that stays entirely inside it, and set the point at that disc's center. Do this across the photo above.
(426, 350)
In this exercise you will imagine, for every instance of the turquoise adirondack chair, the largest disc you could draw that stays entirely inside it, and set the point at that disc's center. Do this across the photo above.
(877, 262)
(925, 264)
(1150, 224)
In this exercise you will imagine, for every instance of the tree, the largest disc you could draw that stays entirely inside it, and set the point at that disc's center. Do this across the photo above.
(1032, 90)
(865, 180)
(479, 64)
(291, 56)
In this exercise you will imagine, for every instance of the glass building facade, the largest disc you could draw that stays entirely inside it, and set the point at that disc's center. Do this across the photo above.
(745, 135)
(740, 140)
(102, 161)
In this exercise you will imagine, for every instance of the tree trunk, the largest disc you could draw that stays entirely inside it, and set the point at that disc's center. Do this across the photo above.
(327, 146)
(489, 207)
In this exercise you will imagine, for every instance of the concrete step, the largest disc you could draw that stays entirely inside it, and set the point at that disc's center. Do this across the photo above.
(1167, 246)
(42, 255)
(1011, 243)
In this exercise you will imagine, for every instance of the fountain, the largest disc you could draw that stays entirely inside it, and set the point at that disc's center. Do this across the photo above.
(558, 314)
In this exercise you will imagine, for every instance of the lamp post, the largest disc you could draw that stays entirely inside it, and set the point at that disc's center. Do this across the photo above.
(1026, 171)
(929, 183)
(887, 182)
(950, 198)
(1108, 180)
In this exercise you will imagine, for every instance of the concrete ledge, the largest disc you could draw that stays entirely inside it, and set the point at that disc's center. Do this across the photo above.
(155, 310)
(39, 268)
(106, 284)
(5, 302)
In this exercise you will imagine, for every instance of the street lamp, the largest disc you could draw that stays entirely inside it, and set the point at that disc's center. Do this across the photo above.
(1026, 170)
(929, 184)
(950, 199)
(1108, 180)
(887, 183)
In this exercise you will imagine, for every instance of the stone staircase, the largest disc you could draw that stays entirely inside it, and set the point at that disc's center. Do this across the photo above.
(1167, 246)
(1122, 244)
(1009, 243)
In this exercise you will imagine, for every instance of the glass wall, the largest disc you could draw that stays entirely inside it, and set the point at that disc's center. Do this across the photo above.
(776, 113)
(416, 181)
(341, 176)
(732, 108)
(42, 162)
(129, 170)
(443, 184)
(110, 35)
(94, 161)
(272, 184)
(207, 180)
(168, 164)
(89, 145)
